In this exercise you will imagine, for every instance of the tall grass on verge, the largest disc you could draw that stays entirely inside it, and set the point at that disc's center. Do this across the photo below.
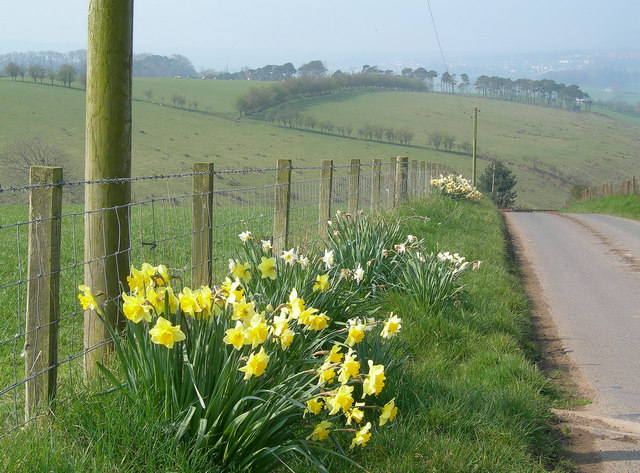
(627, 206)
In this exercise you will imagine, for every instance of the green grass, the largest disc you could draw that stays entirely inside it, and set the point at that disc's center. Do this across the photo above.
(627, 206)
(548, 149)
(471, 398)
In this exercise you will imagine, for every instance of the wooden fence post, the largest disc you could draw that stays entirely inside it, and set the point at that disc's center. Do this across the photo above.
(324, 200)
(375, 185)
(202, 238)
(43, 288)
(423, 179)
(413, 190)
(635, 185)
(392, 182)
(107, 160)
(354, 186)
(283, 206)
(401, 179)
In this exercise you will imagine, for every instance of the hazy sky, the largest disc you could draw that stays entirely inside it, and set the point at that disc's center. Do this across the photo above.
(344, 33)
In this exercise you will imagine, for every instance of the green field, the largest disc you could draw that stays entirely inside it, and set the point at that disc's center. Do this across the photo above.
(548, 149)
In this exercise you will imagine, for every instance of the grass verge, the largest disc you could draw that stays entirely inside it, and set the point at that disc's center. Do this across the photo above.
(470, 398)
(627, 206)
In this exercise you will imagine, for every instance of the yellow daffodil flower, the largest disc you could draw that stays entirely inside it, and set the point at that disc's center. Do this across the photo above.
(256, 330)
(389, 412)
(320, 431)
(322, 283)
(241, 271)
(314, 405)
(286, 338)
(268, 268)
(335, 356)
(355, 414)
(189, 302)
(362, 436)
(256, 364)
(166, 334)
(341, 400)
(356, 332)
(135, 308)
(317, 321)
(374, 381)
(86, 298)
(235, 336)
(391, 326)
(243, 310)
(350, 368)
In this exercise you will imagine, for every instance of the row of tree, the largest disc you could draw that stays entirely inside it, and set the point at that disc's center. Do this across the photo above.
(272, 72)
(144, 65)
(620, 106)
(257, 99)
(66, 73)
(541, 92)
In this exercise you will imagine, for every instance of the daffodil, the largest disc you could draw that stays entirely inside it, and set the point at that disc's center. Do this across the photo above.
(326, 373)
(266, 245)
(362, 436)
(244, 236)
(322, 282)
(304, 262)
(374, 381)
(320, 431)
(235, 336)
(256, 364)
(314, 405)
(334, 355)
(389, 412)
(241, 271)
(166, 334)
(135, 308)
(328, 259)
(350, 368)
(356, 332)
(358, 274)
(189, 302)
(204, 299)
(242, 309)
(256, 330)
(342, 399)
(139, 280)
(295, 305)
(317, 321)
(86, 298)
(355, 414)
(286, 338)
(290, 256)
(268, 268)
(391, 326)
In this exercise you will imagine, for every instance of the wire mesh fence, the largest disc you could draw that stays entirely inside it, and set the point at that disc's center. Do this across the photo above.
(188, 222)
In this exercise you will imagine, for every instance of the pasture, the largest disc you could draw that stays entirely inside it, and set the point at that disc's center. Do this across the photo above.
(548, 149)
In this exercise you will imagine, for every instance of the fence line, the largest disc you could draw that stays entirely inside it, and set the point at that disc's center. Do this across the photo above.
(626, 187)
(191, 227)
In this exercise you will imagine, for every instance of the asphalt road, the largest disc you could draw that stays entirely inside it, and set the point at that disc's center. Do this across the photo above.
(588, 267)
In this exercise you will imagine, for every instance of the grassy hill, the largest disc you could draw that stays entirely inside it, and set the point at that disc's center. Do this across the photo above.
(547, 149)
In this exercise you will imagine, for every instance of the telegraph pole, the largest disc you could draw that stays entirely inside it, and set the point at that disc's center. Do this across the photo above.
(475, 141)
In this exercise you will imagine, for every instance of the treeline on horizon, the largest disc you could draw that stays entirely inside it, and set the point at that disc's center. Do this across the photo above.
(144, 65)
(260, 98)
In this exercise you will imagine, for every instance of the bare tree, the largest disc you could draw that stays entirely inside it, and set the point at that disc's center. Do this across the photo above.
(18, 156)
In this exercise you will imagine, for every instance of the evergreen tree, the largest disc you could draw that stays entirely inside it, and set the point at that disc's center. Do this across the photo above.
(498, 181)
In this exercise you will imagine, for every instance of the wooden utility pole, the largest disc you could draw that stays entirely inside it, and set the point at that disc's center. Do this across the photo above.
(107, 157)
(475, 142)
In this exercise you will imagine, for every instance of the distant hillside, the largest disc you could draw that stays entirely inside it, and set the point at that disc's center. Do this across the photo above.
(548, 150)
